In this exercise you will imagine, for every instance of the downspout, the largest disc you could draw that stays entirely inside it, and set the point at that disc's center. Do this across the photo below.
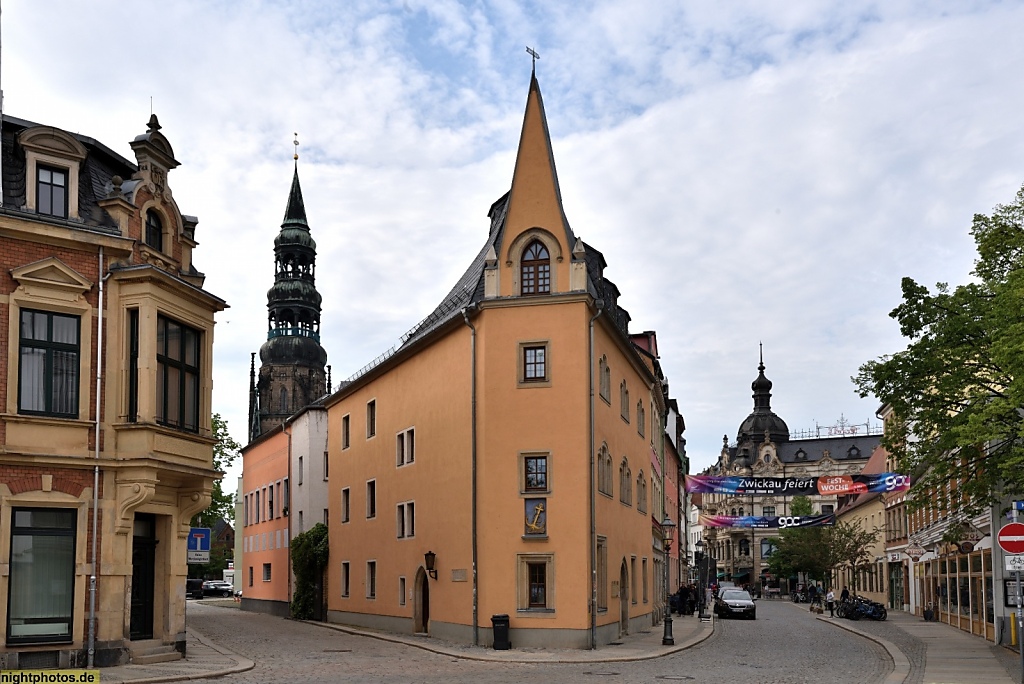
(476, 594)
(291, 505)
(94, 576)
(590, 489)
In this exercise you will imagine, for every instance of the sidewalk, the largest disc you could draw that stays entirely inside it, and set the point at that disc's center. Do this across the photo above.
(204, 659)
(687, 631)
(952, 655)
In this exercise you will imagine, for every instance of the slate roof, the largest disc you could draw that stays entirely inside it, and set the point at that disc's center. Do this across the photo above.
(100, 165)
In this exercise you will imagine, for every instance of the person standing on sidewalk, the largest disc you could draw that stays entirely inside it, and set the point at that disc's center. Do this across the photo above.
(830, 599)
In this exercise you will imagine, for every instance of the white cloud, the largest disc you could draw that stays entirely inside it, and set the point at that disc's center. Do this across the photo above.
(752, 171)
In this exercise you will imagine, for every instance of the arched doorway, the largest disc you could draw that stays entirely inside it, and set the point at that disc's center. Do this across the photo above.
(623, 599)
(421, 603)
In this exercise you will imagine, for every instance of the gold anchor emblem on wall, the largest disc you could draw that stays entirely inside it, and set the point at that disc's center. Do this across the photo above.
(536, 526)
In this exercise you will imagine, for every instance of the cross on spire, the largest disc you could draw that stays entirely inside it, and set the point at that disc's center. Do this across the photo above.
(533, 54)
(296, 143)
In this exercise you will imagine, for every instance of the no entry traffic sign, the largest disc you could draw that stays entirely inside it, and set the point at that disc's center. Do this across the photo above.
(1011, 538)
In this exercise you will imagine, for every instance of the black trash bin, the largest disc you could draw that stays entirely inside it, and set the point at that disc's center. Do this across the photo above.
(499, 623)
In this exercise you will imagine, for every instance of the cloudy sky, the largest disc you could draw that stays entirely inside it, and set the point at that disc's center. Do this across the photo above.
(753, 171)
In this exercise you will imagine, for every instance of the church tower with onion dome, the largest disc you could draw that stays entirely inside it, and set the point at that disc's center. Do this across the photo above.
(293, 372)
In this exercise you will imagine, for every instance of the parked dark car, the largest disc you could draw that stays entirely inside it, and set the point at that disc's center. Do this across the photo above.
(735, 602)
(217, 588)
(194, 588)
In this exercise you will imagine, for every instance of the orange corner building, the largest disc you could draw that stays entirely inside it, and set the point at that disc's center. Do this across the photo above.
(499, 461)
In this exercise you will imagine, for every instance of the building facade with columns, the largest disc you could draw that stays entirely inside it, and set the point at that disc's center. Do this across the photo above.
(106, 443)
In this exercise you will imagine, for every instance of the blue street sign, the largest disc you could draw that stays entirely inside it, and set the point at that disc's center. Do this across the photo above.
(199, 545)
(1018, 505)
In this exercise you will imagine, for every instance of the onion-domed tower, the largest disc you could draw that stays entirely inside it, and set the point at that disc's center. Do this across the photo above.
(761, 424)
(293, 364)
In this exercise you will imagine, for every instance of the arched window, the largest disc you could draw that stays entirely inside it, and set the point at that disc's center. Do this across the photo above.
(604, 471)
(624, 398)
(640, 417)
(284, 400)
(641, 492)
(536, 269)
(154, 230)
(625, 483)
(744, 547)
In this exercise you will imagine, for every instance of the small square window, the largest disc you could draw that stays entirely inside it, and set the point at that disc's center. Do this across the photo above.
(534, 364)
(535, 473)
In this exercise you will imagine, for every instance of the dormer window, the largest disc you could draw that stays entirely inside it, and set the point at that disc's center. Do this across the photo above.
(536, 269)
(51, 191)
(801, 455)
(154, 231)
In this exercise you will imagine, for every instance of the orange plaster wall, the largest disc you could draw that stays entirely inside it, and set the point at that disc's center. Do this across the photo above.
(430, 393)
(264, 464)
(628, 531)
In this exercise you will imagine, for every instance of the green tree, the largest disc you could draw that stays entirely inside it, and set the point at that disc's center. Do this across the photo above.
(222, 505)
(957, 390)
(798, 549)
(848, 545)
(309, 551)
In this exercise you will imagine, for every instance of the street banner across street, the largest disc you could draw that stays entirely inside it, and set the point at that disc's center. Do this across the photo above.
(824, 485)
(767, 522)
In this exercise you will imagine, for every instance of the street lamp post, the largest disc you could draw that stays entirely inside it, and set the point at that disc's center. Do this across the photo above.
(699, 557)
(666, 528)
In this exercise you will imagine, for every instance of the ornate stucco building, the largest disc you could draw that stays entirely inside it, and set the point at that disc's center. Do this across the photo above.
(106, 444)
(764, 447)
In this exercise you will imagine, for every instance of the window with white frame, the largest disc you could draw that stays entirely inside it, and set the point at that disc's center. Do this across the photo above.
(536, 582)
(406, 520)
(371, 499)
(405, 447)
(371, 579)
(266, 572)
(625, 483)
(605, 375)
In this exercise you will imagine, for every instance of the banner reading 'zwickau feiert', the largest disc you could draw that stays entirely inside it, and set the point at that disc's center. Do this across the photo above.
(767, 522)
(797, 486)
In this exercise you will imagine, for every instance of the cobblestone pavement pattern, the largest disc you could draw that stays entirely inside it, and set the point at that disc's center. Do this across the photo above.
(783, 646)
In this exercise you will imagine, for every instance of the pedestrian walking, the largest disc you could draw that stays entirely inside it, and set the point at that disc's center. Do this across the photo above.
(830, 599)
(844, 595)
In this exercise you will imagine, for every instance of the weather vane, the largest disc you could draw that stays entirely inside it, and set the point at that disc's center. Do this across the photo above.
(534, 55)
(296, 143)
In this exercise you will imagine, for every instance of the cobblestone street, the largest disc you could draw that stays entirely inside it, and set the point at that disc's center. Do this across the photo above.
(784, 645)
